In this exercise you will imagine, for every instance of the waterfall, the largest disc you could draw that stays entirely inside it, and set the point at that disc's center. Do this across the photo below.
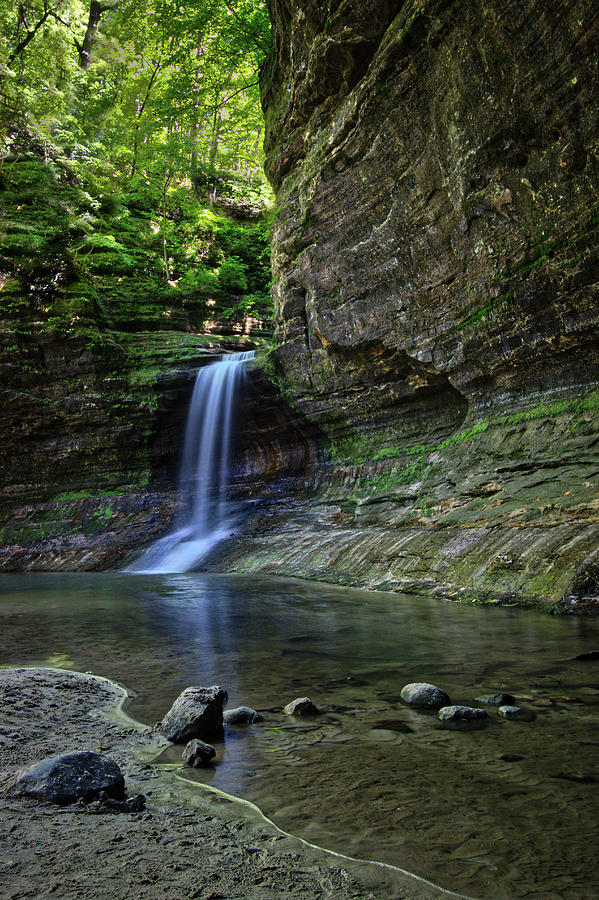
(204, 517)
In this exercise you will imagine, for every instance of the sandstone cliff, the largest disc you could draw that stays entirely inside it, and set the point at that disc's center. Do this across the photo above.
(436, 283)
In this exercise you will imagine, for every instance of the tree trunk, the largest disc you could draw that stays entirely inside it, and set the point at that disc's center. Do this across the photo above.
(195, 117)
(140, 110)
(84, 49)
(220, 115)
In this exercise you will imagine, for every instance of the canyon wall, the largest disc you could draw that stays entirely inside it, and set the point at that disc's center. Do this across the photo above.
(436, 282)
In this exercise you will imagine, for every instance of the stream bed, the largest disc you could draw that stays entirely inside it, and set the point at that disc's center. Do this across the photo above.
(508, 810)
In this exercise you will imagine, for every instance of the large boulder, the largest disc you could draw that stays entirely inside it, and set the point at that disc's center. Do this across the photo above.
(196, 713)
(424, 695)
(70, 777)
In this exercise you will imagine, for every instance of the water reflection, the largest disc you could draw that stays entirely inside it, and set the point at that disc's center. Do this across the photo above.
(368, 777)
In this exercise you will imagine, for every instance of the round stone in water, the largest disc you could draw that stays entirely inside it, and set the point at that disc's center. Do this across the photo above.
(424, 696)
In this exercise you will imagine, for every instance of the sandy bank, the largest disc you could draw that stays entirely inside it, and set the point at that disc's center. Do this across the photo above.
(187, 843)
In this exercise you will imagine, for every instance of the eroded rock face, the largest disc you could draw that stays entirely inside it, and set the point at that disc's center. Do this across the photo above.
(435, 166)
(436, 287)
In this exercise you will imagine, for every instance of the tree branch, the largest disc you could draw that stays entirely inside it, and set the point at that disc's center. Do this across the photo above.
(30, 33)
(260, 44)
(240, 91)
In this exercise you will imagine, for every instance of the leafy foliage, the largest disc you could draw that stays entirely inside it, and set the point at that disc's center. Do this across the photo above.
(165, 89)
(131, 160)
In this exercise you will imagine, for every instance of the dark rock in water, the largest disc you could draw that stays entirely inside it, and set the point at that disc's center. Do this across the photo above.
(462, 715)
(301, 706)
(241, 715)
(70, 777)
(579, 777)
(516, 712)
(196, 713)
(495, 699)
(424, 695)
(198, 754)
(590, 654)
(511, 757)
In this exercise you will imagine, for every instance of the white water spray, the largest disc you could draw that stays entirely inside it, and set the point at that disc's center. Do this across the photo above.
(204, 518)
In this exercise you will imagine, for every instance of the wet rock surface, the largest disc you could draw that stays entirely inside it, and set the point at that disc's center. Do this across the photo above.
(196, 713)
(498, 699)
(516, 712)
(301, 706)
(197, 753)
(461, 715)
(241, 715)
(424, 696)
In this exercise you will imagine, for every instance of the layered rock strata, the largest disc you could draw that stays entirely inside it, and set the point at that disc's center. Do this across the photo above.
(91, 445)
(436, 282)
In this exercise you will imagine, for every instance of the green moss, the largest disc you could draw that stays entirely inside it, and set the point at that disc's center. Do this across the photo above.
(569, 406)
(482, 313)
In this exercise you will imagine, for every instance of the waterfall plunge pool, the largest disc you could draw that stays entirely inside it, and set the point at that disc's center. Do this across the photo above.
(509, 810)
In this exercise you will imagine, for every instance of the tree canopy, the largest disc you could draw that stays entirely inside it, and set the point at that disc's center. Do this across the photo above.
(122, 123)
(150, 89)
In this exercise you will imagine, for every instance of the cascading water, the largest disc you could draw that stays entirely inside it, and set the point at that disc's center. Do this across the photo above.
(204, 517)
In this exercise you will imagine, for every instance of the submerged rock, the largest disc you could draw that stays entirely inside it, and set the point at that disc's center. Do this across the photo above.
(198, 754)
(461, 715)
(392, 725)
(301, 706)
(495, 699)
(579, 777)
(424, 695)
(196, 713)
(241, 715)
(71, 777)
(516, 712)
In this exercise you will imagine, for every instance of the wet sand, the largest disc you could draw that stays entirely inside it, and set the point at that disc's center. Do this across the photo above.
(188, 843)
